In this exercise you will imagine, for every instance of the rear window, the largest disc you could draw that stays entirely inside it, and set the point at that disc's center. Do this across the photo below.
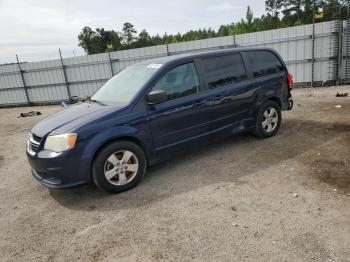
(224, 70)
(264, 63)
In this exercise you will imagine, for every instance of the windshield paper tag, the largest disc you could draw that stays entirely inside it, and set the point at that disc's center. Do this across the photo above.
(155, 66)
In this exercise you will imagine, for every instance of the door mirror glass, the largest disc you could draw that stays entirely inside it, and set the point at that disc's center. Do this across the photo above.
(157, 96)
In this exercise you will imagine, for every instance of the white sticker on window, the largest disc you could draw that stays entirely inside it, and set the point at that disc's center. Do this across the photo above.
(155, 66)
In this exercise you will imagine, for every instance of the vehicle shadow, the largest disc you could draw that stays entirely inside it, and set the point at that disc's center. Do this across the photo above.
(224, 161)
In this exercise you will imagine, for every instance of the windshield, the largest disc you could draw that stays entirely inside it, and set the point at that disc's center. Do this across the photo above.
(122, 87)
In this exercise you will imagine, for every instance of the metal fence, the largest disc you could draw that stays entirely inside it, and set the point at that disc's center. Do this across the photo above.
(314, 54)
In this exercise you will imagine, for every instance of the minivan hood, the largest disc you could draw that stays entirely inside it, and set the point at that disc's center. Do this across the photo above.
(71, 117)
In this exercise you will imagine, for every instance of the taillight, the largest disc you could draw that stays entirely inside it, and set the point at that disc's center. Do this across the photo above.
(290, 80)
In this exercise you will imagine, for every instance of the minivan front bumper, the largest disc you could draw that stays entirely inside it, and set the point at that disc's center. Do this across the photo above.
(56, 171)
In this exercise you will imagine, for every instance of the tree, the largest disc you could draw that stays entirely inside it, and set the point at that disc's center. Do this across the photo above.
(273, 7)
(279, 13)
(110, 38)
(144, 39)
(89, 41)
(157, 40)
(129, 33)
(271, 19)
(94, 42)
(334, 9)
(246, 25)
(224, 30)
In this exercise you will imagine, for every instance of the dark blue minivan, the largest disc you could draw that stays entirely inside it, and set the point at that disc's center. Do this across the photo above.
(153, 109)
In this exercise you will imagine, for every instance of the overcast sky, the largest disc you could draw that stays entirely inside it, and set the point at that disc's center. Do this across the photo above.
(35, 29)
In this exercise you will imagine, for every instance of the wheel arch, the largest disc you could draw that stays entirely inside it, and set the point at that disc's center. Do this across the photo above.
(263, 99)
(113, 140)
(274, 99)
(93, 145)
(128, 138)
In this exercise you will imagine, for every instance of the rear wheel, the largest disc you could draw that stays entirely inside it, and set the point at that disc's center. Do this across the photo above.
(268, 120)
(119, 167)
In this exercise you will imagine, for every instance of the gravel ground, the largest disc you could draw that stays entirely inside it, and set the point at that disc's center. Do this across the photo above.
(286, 198)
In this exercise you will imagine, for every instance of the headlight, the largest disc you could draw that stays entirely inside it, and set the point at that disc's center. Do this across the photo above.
(60, 143)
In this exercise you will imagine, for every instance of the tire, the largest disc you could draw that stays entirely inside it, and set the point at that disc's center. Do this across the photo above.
(119, 166)
(268, 120)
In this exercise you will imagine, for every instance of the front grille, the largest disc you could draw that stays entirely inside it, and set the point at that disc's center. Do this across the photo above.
(36, 138)
(34, 148)
(34, 143)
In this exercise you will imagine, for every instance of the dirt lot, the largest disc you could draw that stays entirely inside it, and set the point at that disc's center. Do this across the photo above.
(286, 198)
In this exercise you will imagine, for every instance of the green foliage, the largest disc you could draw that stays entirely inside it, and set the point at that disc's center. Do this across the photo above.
(279, 13)
(94, 42)
(129, 33)
(273, 7)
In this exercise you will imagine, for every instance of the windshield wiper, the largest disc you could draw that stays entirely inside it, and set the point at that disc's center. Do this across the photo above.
(98, 102)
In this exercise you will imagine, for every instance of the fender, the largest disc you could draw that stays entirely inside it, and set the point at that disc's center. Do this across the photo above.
(265, 94)
(101, 138)
(270, 94)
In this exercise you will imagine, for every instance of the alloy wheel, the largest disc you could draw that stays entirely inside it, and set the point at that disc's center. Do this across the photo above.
(121, 167)
(270, 119)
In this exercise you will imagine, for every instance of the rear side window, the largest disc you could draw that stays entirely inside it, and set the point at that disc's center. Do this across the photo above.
(179, 82)
(224, 70)
(264, 63)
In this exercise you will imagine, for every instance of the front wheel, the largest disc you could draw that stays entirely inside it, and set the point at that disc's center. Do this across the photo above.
(119, 167)
(268, 120)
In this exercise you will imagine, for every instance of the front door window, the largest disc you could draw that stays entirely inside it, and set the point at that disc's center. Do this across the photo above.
(179, 82)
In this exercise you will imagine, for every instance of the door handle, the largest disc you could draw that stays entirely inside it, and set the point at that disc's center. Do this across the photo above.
(216, 100)
(199, 102)
(218, 97)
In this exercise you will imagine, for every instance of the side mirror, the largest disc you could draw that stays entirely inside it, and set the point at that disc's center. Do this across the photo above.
(157, 96)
